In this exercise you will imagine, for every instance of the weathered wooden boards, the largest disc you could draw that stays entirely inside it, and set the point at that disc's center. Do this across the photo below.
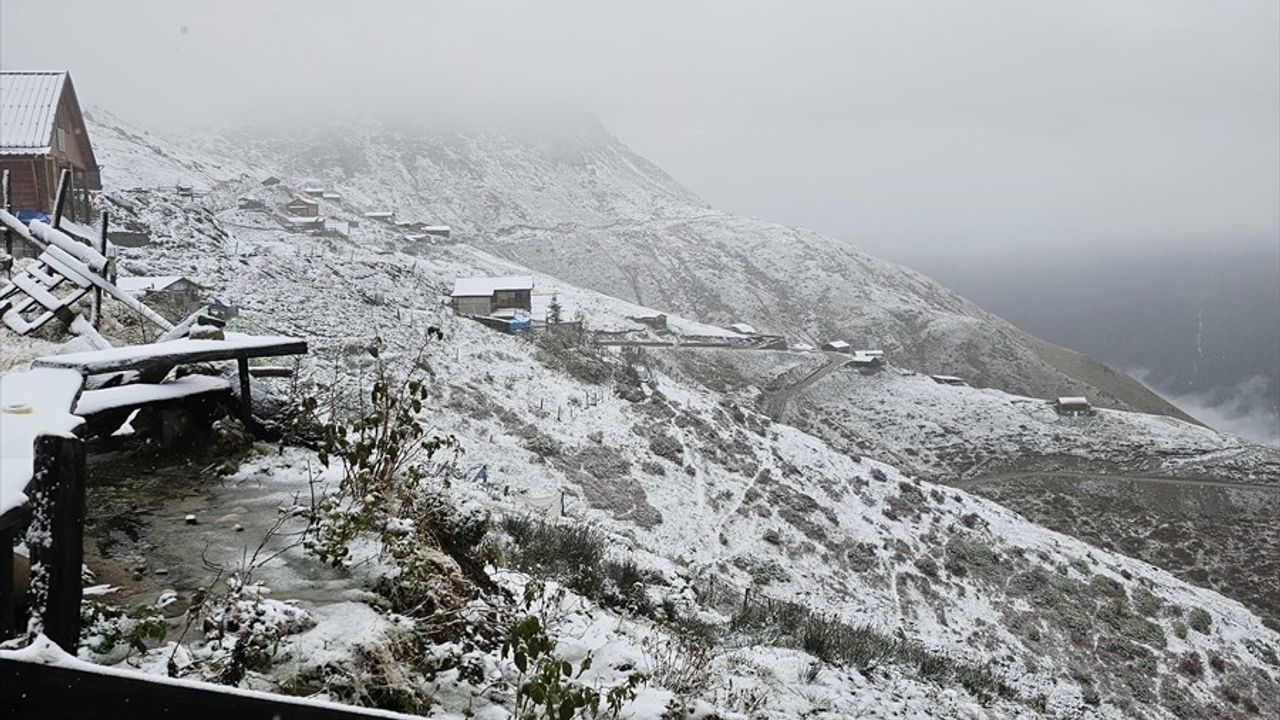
(64, 261)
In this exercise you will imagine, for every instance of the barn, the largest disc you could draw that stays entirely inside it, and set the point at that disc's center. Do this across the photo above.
(42, 133)
(486, 295)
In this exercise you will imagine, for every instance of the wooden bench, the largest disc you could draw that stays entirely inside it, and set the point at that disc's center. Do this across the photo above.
(153, 362)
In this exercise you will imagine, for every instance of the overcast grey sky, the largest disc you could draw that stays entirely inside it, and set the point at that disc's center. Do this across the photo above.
(955, 125)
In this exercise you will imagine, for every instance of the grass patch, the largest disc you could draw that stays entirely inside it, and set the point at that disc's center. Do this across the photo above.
(861, 647)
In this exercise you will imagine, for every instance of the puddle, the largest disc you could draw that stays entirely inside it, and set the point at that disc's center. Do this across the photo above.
(138, 536)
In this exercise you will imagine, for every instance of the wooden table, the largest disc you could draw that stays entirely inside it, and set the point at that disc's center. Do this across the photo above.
(154, 361)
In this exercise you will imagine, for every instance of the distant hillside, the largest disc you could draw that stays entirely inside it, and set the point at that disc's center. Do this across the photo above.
(583, 207)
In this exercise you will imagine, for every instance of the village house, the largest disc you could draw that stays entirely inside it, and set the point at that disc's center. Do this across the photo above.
(949, 380)
(249, 202)
(313, 223)
(839, 346)
(303, 207)
(1072, 405)
(487, 295)
(383, 215)
(313, 191)
(742, 328)
(332, 196)
(271, 181)
(42, 133)
(173, 296)
(440, 231)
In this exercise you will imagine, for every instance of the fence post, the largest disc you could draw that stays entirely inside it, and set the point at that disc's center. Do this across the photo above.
(60, 198)
(8, 594)
(55, 539)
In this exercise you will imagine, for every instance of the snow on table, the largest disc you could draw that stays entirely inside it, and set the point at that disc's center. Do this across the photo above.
(96, 401)
(175, 352)
(32, 403)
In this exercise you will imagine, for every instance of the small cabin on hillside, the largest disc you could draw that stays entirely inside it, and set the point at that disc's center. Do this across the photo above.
(949, 380)
(271, 181)
(332, 196)
(173, 296)
(42, 133)
(440, 231)
(249, 202)
(313, 191)
(1072, 405)
(839, 346)
(486, 295)
(742, 328)
(383, 215)
(303, 207)
(868, 358)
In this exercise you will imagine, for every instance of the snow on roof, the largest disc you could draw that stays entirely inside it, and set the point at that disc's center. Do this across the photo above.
(313, 220)
(837, 344)
(486, 286)
(28, 106)
(379, 214)
(743, 328)
(435, 228)
(1073, 400)
(947, 378)
(36, 402)
(142, 284)
(332, 196)
(304, 201)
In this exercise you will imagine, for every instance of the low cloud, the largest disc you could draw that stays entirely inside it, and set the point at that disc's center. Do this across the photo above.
(1247, 409)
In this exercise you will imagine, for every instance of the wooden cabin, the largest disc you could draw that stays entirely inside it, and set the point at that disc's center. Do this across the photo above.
(303, 207)
(1072, 405)
(486, 295)
(42, 132)
(839, 346)
(440, 231)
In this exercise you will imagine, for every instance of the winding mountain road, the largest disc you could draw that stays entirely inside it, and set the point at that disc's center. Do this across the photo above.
(1071, 476)
(775, 403)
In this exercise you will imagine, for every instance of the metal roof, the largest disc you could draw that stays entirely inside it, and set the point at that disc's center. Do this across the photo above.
(28, 106)
(486, 286)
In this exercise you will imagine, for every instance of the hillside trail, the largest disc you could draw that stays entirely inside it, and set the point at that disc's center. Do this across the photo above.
(775, 403)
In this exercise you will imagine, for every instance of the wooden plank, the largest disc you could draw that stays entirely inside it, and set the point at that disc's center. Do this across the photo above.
(37, 292)
(60, 268)
(74, 267)
(32, 690)
(176, 352)
(246, 397)
(56, 538)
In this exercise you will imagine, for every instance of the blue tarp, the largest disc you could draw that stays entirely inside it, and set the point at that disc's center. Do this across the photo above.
(26, 216)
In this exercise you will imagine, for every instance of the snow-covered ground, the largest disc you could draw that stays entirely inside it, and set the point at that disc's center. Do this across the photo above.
(711, 492)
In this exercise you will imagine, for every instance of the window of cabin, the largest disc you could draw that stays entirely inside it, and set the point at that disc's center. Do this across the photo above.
(60, 139)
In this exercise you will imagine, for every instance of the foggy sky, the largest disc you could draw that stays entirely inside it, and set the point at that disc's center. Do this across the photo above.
(956, 127)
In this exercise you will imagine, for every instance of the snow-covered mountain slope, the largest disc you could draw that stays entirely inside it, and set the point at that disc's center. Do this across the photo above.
(685, 476)
(577, 204)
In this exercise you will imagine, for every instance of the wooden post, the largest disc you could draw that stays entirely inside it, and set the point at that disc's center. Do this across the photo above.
(246, 399)
(8, 598)
(8, 207)
(60, 199)
(95, 314)
(55, 539)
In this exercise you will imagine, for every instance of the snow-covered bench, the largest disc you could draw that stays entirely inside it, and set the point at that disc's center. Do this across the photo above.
(153, 362)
